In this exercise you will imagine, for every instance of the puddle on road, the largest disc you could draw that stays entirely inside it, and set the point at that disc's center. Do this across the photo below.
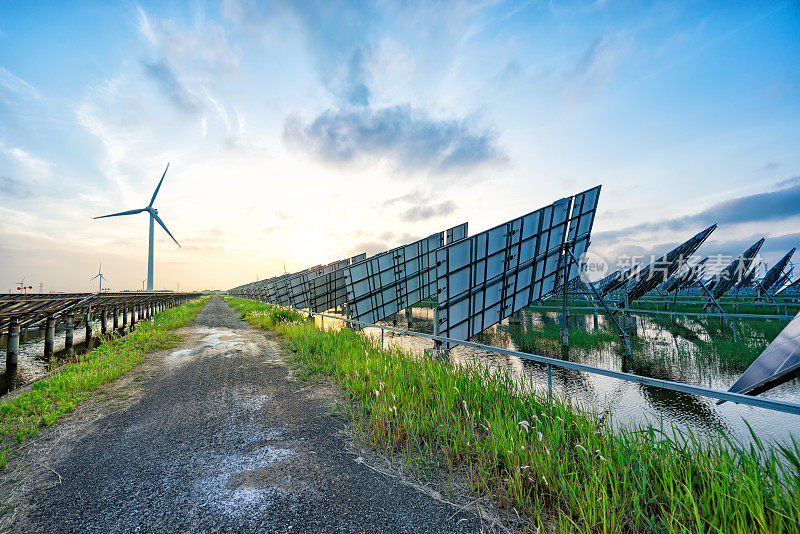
(217, 339)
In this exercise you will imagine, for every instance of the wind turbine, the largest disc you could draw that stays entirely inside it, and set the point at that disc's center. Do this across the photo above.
(101, 277)
(153, 216)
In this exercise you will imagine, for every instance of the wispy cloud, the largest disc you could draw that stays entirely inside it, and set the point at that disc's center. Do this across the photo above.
(420, 206)
(596, 67)
(12, 188)
(171, 87)
(13, 83)
(32, 163)
(408, 138)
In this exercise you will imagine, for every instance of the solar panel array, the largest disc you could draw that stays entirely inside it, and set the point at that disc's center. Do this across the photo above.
(661, 269)
(775, 273)
(401, 277)
(735, 272)
(489, 276)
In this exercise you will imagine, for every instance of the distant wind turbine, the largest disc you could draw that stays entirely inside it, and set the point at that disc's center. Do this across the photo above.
(153, 216)
(101, 277)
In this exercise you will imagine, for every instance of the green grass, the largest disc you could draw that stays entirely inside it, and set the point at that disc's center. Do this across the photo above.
(51, 398)
(563, 469)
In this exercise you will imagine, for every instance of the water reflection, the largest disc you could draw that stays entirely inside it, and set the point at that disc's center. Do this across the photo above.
(664, 351)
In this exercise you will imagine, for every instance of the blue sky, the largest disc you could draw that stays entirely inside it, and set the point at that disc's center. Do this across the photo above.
(304, 132)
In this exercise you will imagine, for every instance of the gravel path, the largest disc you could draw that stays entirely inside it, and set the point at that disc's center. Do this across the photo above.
(213, 436)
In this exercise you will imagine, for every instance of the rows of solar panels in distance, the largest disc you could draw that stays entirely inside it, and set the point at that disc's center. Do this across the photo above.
(491, 275)
(398, 278)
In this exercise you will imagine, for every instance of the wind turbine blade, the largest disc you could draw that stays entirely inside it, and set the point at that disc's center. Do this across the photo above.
(164, 226)
(129, 212)
(158, 187)
(95, 276)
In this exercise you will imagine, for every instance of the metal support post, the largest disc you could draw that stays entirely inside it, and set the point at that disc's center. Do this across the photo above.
(69, 338)
(88, 326)
(12, 351)
(49, 336)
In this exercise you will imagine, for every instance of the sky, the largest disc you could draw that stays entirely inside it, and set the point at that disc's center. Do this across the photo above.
(299, 133)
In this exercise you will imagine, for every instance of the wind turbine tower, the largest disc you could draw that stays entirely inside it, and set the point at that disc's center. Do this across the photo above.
(101, 277)
(153, 217)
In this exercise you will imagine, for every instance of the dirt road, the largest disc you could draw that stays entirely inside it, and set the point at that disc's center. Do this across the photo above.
(212, 436)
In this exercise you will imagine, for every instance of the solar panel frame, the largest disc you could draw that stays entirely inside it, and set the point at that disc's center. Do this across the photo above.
(397, 278)
(487, 277)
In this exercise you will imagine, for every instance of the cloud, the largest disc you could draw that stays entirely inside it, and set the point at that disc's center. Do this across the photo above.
(597, 65)
(341, 37)
(171, 87)
(32, 163)
(12, 83)
(424, 212)
(408, 138)
(11, 188)
(421, 206)
(779, 204)
(338, 34)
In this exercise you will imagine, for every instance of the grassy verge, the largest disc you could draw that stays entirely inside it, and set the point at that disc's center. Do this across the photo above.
(561, 468)
(57, 395)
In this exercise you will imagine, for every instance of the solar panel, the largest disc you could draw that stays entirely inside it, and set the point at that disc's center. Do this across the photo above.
(788, 286)
(774, 273)
(298, 284)
(396, 279)
(616, 280)
(733, 273)
(779, 363)
(328, 291)
(658, 271)
(489, 276)
(456, 233)
(686, 277)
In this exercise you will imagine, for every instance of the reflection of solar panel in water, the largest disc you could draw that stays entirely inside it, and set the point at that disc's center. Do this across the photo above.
(774, 273)
(396, 279)
(733, 273)
(779, 363)
(658, 271)
(489, 276)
